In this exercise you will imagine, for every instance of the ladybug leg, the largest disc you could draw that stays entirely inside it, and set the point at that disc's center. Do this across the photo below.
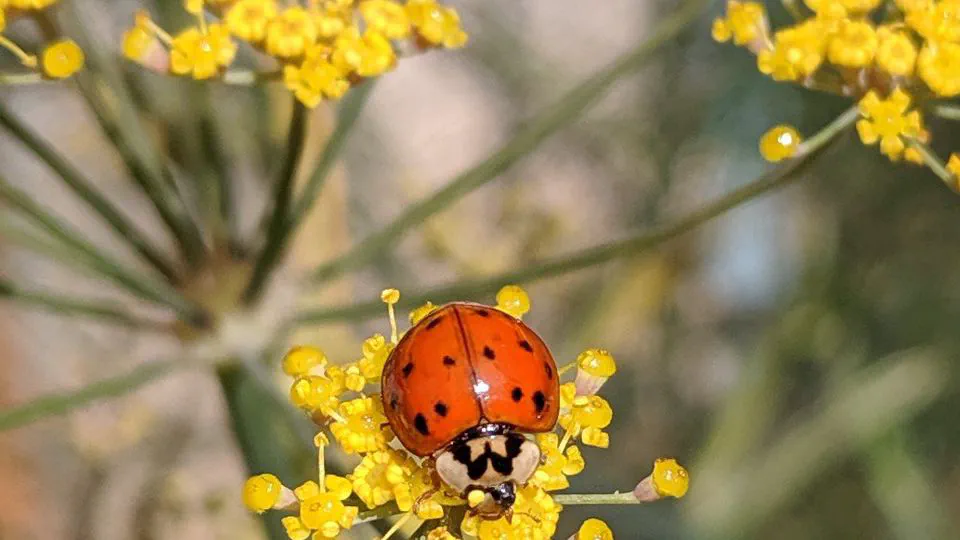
(422, 498)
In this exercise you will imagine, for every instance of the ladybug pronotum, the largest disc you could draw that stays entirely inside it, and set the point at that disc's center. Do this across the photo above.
(462, 388)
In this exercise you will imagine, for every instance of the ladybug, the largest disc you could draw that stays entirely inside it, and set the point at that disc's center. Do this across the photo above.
(461, 389)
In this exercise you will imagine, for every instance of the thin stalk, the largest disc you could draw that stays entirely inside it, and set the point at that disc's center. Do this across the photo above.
(62, 402)
(282, 197)
(107, 311)
(589, 257)
(29, 77)
(84, 189)
(533, 132)
(935, 164)
(212, 148)
(91, 256)
(596, 498)
(947, 112)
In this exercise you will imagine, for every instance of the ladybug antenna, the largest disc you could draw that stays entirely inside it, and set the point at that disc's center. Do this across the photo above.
(391, 297)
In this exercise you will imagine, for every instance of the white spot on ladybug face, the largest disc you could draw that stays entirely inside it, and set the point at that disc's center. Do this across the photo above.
(488, 461)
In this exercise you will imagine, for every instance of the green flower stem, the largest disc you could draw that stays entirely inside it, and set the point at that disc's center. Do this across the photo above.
(381, 512)
(30, 77)
(90, 255)
(243, 77)
(603, 253)
(595, 498)
(533, 132)
(282, 198)
(62, 402)
(107, 311)
(935, 164)
(84, 189)
(219, 167)
(948, 112)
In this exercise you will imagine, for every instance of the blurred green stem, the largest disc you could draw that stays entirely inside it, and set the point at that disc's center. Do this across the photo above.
(931, 160)
(533, 132)
(107, 311)
(948, 112)
(29, 77)
(600, 254)
(276, 233)
(91, 256)
(82, 186)
(596, 498)
(62, 402)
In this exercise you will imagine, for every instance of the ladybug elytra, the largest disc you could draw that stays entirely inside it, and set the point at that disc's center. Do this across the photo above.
(462, 388)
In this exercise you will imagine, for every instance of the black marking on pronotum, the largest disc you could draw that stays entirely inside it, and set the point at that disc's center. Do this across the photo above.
(449, 361)
(502, 464)
(488, 352)
(420, 422)
(539, 401)
(440, 408)
(482, 313)
(394, 401)
(407, 369)
(517, 394)
(549, 369)
(525, 345)
(433, 324)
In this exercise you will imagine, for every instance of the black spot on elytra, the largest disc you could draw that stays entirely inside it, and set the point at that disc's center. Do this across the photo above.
(525, 345)
(482, 313)
(433, 324)
(420, 422)
(449, 361)
(517, 394)
(488, 352)
(440, 408)
(394, 401)
(549, 370)
(408, 369)
(539, 401)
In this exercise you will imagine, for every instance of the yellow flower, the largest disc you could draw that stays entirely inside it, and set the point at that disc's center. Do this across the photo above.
(939, 67)
(437, 25)
(386, 17)
(585, 416)
(30, 4)
(295, 528)
(368, 55)
(264, 492)
(419, 313)
(936, 23)
(953, 165)
(332, 20)
(745, 22)
(833, 10)
(594, 529)
(300, 360)
(440, 533)
(535, 516)
(779, 143)
(669, 478)
(3, 20)
(594, 367)
(200, 54)
(324, 511)
(854, 44)
(896, 53)
(290, 33)
(513, 300)
(376, 350)
(557, 465)
(384, 476)
(315, 79)
(248, 19)
(318, 392)
(797, 52)
(888, 121)
(363, 427)
(62, 59)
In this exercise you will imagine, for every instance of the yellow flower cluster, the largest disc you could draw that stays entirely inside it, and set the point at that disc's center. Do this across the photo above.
(58, 60)
(840, 46)
(322, 47)
(386, 479)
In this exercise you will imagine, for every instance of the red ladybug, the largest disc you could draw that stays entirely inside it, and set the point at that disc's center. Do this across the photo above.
(462, 387)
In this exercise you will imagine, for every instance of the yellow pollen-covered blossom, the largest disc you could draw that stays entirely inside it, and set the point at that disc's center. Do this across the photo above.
(779, 143)
(557, 465)
(295, 528)
(440, 533)
(854, 44)
(513, 300)
(744, 22)
(376, 350)
(419, 313)
(889, 121)
(30, 4)
(939, 66)
(363, 427)
(535, 516)
(138, 44)
(315, 79)
(323, 511)
(331, 20)
(248, 19)
(202, 54)
(368, 55)
(290, 33)
(597, 362)
(384, 476)
(953, 165)
(669, 478)
(353, 379)
(300, 360)
(61, 59)
(594, 529)
(261, 492)
(436, 24)
(797, 52)
(939, 22)
(585, 416)
(896, 52)
(319, 392)
(386, 17)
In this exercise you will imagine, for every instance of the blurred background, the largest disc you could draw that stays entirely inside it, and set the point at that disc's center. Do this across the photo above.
(798, 354)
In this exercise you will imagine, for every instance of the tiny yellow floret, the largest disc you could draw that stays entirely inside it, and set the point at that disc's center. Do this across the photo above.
(474, 498)
(779, 143)
(670, 478)
(597, 362)
(62, 59)
(594, 529)
(390, 296)
(261, 492)
(419, 313)
(513, 300)
(301, 359)
(953, 165)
